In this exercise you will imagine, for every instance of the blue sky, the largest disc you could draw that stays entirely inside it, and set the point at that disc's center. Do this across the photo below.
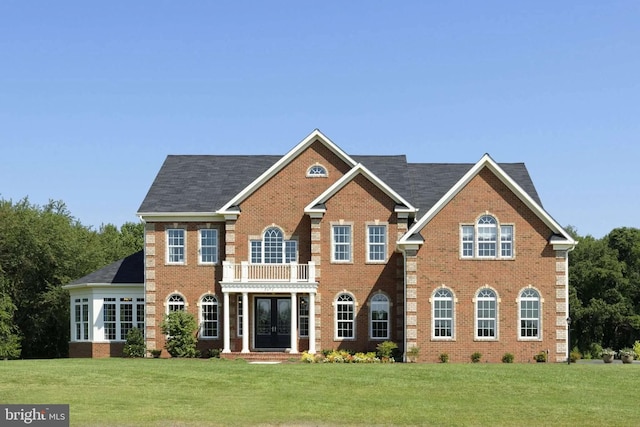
(93, 96)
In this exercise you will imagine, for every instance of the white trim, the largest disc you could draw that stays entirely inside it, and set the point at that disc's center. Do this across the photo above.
(496, 318)
(358, 169)
(181, 217)
(217, 246)
(564, 239)
(314, 136)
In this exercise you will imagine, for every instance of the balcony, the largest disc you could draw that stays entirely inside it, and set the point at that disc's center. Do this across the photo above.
(268, 273)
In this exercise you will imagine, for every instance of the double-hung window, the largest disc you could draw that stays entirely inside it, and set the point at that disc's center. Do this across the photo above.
(209, 246)
(442, 307)
(379, 317)
(303, 316)
(175, 246)
(81, 319)
(341, 239)
(109, 318)
(486, 239)
(345, 317)
(175, 303)
(486, 314)
(376, 243)
(209, 317)
(529, 303)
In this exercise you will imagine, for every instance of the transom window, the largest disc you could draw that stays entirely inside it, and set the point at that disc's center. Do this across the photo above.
(442, 313)
(481, 239)
(486, 314)
(341, 243)
(345, 310)
(376, 243)
(379, 317)
(175, 303)
(316, 171)
(209, 246)
(529, 314)
(175, 246)
(209, 317)
(273, 248)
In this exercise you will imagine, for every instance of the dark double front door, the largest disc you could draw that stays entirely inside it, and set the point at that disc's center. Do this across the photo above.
(273, 322)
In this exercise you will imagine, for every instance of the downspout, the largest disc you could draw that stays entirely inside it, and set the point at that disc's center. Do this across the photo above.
(404, 309)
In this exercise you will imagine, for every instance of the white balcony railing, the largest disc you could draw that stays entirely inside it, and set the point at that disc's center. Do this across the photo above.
(246, 272)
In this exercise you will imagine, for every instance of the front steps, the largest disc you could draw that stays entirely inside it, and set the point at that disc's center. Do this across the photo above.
(262, 356)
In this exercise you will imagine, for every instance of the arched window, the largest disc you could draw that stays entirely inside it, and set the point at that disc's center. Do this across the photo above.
(209, 317)
(529, 303)
(175, 302)
(345, 316)
(486, 314)
(273, 248)
(379, 317)
(481, 239)
(316, 171)
(442, 315)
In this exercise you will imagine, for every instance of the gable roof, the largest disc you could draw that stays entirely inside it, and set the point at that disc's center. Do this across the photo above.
(127, 271)
(561, 239)
(317, 205)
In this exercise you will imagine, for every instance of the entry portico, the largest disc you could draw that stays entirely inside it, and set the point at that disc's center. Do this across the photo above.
(274, 291)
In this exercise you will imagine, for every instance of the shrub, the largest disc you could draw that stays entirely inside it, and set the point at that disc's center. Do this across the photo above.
(636, 349)
(574, 356)
(135, 346)
(507, 358)
(475, 357)
(180, 328)
(214, 353)
(595, 351)
(413, 354)
(444, 357)
(386, 349)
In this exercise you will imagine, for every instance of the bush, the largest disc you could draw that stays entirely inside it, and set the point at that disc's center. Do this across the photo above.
(180, 328)
(575, 355)
(135, 346)
(386, 349)
(444, 357)
(541, 357)
(595, 351)
(636, 349)
(507, 358)
(214, 353)
(475, 357)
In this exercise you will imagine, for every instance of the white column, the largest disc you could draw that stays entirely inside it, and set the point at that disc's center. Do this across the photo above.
(312, 323)
(245, 322)
(226, 330)
(294, 323)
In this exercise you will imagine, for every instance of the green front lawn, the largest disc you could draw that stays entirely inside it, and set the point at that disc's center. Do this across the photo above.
(161, 392)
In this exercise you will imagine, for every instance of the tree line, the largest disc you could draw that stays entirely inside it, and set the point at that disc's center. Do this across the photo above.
(43, 248)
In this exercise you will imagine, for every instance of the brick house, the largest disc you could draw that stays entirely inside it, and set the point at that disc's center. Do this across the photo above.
(319, 249)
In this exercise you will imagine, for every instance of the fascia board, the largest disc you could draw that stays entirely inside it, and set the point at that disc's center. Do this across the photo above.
(286, 159)
(180, 216)
(349, 176)
(486, 161)
(103, 285)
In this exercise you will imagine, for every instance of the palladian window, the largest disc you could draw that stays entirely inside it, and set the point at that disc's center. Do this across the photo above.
(486, 239)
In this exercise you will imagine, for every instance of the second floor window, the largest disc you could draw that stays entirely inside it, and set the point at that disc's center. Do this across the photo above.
(341, 243)
(376, 243)
(209, 246)
(486, 239)
(175, 246)
(273, 248)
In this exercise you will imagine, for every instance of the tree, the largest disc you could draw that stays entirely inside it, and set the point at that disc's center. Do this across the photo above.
(9, 337)
(180, 328)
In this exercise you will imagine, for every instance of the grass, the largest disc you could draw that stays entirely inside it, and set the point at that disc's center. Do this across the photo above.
(182, 392)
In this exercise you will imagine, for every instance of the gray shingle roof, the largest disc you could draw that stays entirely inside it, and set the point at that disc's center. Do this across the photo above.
(205, 183)
(129, 270)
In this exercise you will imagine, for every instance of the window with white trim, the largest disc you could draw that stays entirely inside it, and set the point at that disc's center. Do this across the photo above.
(175, 302)
(379, 317)
(273, 248)
(442, 314)
(140, 314)
(529, 308)
(486, 314)
(341, 242)
(376, 243)
(208, 246)
(175, 246)
(317, 171)
(486, 239)
(109, 318)
(120, 315)
(209, 317)
(126, 316)
(81, 319)
(345, 317)
(303, 316)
